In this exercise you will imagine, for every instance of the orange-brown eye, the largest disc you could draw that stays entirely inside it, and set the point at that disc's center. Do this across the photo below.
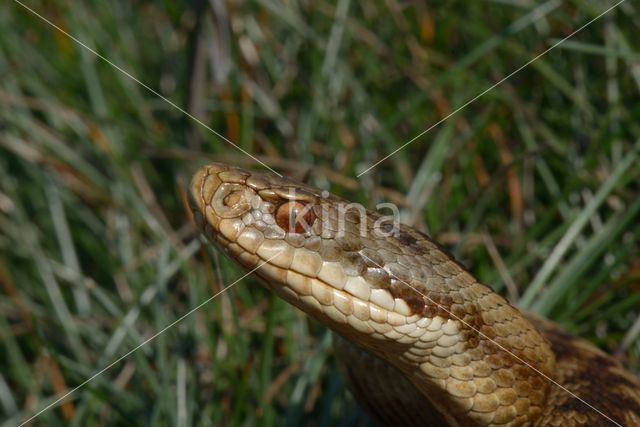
(295, 217)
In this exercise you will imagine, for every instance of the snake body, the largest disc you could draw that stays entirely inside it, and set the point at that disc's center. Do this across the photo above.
(422, 342)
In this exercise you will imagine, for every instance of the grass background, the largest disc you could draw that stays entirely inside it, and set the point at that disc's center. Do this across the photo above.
(535, 187)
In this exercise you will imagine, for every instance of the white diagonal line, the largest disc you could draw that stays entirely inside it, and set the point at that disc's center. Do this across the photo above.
(493, 86)
(142, 344)
(496, 343)
(147, 87)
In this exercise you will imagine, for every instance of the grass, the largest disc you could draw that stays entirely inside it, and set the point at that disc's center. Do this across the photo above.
(535, 186)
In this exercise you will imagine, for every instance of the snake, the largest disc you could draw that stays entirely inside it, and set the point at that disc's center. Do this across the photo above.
(420, 340)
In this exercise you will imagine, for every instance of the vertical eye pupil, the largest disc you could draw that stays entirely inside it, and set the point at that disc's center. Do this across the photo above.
(294, 217)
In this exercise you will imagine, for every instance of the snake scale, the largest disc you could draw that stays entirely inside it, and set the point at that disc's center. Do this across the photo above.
(421, 341)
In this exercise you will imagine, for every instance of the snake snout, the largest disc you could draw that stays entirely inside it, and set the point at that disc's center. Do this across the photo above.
(204, 184)
(219, 198)
(196, 203)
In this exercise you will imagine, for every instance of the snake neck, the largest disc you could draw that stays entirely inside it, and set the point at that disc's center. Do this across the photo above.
(481, 377)
(492, 368)
(490, 376)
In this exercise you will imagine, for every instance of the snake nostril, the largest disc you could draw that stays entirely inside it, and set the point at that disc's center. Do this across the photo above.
(232, 199)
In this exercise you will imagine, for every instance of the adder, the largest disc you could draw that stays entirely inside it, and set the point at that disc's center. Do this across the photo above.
(421, 341)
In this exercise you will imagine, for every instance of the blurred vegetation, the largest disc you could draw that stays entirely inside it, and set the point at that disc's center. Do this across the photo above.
(535, 186)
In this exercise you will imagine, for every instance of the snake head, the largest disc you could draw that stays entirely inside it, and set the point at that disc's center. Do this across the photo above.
(323, 254)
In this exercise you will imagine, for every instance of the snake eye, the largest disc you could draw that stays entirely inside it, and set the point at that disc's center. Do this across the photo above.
(294, 217)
